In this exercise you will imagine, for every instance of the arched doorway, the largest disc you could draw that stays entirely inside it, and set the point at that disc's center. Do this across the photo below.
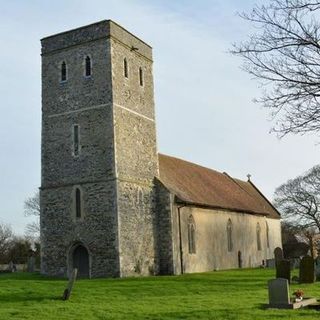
(80, 260)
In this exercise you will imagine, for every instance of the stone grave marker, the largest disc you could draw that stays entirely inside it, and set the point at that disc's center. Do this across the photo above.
(68, 290)
(278, 292)
(271, 263)
(279, 296)
(278, 255)
(31, 264)
(10, 266)
(306, 272)
(317, 266)
(283, 269)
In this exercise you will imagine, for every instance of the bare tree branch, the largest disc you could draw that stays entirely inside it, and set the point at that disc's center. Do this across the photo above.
(5, 237)
(284, 54)
(32, 208)
(298, 200)
(32, 205)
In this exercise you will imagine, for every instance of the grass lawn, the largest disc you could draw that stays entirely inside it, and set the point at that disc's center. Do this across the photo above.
(235, 294)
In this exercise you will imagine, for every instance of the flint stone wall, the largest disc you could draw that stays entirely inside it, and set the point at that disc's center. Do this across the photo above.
(118, 157)
(60, 229)
(136, 158)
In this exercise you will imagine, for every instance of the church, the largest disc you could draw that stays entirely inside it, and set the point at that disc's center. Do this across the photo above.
(111, 205)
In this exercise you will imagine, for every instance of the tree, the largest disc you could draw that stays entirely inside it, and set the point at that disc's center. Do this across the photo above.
(32, 208)
(5, 237)
(19, 250)
(298, 201)
(284, 54)
(295, 240)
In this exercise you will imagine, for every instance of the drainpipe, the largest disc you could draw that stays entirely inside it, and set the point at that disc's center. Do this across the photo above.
(180, 237)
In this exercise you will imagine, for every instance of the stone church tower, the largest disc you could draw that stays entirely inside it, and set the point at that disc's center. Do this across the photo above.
(99, 155)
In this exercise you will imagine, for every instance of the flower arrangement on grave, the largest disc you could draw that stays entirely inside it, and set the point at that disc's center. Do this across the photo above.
(298, 295)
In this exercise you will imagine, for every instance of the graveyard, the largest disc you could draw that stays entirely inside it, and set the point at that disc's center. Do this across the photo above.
(233, 294)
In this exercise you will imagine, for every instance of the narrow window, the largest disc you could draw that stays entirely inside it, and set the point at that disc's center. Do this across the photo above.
(63, 71)
(141, 76)
(125, 67)
(78, 203)
(88, 67)
(140, 197)
(229, 235)
(76, 145)
(191, 235)
(258, 236)
(267, 231)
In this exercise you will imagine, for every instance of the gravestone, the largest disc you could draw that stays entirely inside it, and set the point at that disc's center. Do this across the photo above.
(278, 255)
(68, 290)
(278, 292)
(31, 264)
(271, 263)
(307, 274)
(10, 266)
(283, 269)
(279, 296)
(317, 267)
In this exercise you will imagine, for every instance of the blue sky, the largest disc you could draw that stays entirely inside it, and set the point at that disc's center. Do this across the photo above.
(204, 103)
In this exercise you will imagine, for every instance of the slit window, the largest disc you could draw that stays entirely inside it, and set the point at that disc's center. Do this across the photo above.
(78, 203)
(140, 197)
(63, 71)
(76, 140)
(191, 235)
(258, 236)
(141, 76)
(125, 67)
(267, 231)
(88, 66)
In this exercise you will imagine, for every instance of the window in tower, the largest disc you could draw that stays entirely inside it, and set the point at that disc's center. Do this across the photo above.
(78, 203)
(140, 197)
(63, 72)
(76, 140)
(88, 67)
(125, 67)
(141, 76)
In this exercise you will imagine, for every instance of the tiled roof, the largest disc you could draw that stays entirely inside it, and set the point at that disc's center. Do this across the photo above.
(201, 186)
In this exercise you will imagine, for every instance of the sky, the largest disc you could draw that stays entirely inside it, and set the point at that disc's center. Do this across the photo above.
(204, 108)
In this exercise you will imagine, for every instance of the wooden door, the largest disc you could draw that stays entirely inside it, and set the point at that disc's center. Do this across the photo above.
(81, 261)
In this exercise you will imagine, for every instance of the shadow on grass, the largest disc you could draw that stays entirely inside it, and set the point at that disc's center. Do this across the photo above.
(221, 314)
(18, 298)
(28, 276)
